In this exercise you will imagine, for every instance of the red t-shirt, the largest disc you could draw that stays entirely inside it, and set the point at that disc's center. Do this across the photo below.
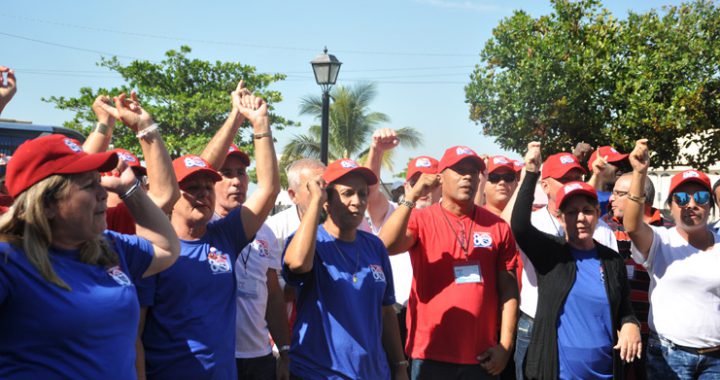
(120, 220)
(449, 321)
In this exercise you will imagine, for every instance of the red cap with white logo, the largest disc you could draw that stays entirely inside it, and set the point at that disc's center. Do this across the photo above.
(458, 153)
(557, 165)
(422, 164)
(190, 164)
(686, 176)
(574, 188)
(345, 166)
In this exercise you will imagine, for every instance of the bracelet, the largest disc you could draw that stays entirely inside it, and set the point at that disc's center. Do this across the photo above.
(402, 363)
(636, 199)
(141, 135)
(284, 348)
(407, 203)
(132, 190)
(261, 135)
(101, 128)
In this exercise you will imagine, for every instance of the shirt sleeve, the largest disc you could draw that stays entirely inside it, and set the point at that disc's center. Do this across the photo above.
(137, 252)
(508, 251)
(654, 247)
(230, 229)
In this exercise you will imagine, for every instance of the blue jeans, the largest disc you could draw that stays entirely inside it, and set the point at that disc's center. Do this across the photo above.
(666, 361)
(423, 369)
(522, 341)
(261, 368)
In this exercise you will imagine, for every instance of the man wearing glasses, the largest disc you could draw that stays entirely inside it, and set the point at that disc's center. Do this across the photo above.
(501, 183)
(557, 170)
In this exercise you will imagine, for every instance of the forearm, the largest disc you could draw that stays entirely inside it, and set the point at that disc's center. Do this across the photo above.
(522, 209)
(152, 224)
(275, 314)
(391, 337)
(377, 203)
(139, 348)
(99, 139)
(596, 182)
(216, 150)
(633, 213)
(507, 212)
(164, 190)
(300, 253)
(394, 231)
(508, 294)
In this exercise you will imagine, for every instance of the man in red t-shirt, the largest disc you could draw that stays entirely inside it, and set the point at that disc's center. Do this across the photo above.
(463, 259)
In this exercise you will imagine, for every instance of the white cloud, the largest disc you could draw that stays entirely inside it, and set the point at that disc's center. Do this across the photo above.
(466, 5)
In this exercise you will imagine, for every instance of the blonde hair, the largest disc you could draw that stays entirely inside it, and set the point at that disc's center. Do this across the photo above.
(26, 226)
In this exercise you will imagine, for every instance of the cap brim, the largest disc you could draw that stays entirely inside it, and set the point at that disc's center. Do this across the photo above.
(576, 193)
(366, 173)
(241, 155)
(103, 162)
(697, 180)
(479, 161)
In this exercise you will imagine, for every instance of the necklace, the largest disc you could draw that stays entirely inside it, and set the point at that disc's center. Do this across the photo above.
(552, 220)
(464, 245)
(357, 260)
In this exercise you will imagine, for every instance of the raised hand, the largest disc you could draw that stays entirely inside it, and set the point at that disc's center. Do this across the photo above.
(8, 87)
(582, 151)
(384, 139)
(316, 187)
(121, 181)
(599, 165)
(533, 158)
(131, 113)
(104, 111)
(640, 156)
(424, 186)
(253, 108)
(238, 93)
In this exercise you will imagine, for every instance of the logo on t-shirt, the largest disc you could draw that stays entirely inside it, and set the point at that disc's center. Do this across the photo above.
(119, 276)
(482, 239)
(219, 262)
(602, 274)
(377, 273)
(262, 247)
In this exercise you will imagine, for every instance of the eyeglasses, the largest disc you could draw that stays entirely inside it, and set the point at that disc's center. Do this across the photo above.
(507, 177)
(682, 198)
(619, 194)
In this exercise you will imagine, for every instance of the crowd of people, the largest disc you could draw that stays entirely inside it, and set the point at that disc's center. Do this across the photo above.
(484, 268)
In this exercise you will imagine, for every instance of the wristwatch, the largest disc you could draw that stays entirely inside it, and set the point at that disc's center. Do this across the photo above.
(409, 204)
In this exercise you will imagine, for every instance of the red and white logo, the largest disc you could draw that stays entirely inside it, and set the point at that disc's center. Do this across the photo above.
(571, 187)
(126, 157)
(482, 239)
(423, 163)
(219, 262)
(262, 247)
(194, 162)
(500, 160)
(119, 276)
(567, 159)
(348, 164)
(377, 273)
(74, 147)
(691, 174)
(462, 150)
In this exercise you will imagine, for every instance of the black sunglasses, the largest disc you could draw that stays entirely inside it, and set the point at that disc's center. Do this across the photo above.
(507, 177)
(682, 198)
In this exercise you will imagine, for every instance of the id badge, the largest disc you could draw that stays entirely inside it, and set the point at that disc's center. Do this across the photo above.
(467, 273)
(246, 288)
(630, 271)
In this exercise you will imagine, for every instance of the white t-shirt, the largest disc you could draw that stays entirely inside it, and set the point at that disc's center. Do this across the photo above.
(253, 262)
(543, 221)
(684, 289)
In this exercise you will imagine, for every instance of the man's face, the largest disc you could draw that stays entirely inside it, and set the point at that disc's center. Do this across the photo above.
(460, 181)
(231, 191)
(552, 185)
(500, 186)
(619, 196)
(301, 196)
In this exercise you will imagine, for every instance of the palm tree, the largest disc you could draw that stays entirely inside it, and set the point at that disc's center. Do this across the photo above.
(351, 126)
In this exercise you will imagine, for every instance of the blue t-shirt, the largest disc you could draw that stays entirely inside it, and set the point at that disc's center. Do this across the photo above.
(585, 334)
(338, 330)
(190, 327)
(604, 201)
(47, 332)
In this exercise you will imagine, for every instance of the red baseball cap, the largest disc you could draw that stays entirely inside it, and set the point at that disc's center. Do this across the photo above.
(574, 188)
(613, 156)
(458, 153)
(235, 151)
(422, 164)
(518, 165)
(557, 165)
(37, 159)
(686, 176)
(345, 166)
(497, 162)
(131, 160)
(190, 164)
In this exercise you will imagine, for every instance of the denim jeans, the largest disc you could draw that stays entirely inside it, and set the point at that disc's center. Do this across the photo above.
(423, 369)
(666, 361)
(522, 341)
(261, 368)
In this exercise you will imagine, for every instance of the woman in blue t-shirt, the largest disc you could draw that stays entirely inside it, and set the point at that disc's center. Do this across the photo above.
(584, 325)
(189, 331)
(68, 307)
(346, 327)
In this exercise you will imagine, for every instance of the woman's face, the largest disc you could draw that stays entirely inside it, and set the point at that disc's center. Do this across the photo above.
(79, 215)
(692, 215)
(347, 201)
(579, 217)
(197, 201)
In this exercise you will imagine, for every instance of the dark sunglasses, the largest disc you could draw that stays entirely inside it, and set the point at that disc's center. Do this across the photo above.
(507, 177)
(682, 198)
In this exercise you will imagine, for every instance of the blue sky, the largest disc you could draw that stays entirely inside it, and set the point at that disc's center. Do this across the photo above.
(419, 52)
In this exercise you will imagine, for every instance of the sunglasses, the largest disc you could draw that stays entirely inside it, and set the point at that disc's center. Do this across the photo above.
(682, 198)
(507, 177)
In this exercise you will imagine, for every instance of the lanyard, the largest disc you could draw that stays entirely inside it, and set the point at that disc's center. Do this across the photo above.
(244, 258)
(464, 245)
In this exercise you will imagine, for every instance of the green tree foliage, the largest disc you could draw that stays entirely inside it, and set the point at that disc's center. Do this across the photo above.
(580, 74)
(351, 124)
(188, 98)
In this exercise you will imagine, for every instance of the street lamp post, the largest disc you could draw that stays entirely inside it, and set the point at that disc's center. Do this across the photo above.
(326, 68)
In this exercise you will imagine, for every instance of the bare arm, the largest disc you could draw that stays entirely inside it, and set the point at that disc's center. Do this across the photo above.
(99, 138)
(260, 203)
(392, 342)
(8, 87)
(495, 359)
(277, 321)
(300, 253)
(216, 150)
(139, 348)
(383, 139)
(507, 212)
(480, 193)
(394, 234)
(640, 233)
